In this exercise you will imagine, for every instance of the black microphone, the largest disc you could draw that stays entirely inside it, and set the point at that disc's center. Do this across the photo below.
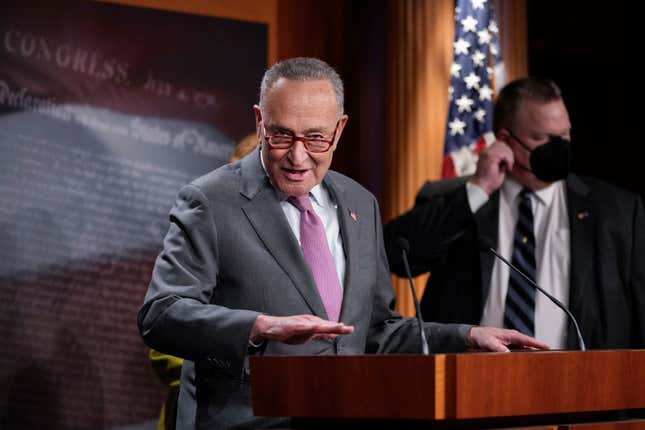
(402, 243)
(558, 303)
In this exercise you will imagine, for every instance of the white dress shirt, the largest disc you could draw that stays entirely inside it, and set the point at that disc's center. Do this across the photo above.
(552, 256)
(327, 211)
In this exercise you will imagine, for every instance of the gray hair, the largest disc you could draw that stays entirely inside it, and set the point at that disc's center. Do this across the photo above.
(303, 69)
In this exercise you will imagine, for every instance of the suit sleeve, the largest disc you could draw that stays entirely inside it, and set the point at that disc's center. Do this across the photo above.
(637, 278)
(429, 227)
(177, 316)
(391, 333)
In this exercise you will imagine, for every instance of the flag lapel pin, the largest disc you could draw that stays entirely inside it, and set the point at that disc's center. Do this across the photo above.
(353, 215)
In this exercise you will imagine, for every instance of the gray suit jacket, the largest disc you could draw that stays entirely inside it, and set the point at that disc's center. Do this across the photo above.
(230, 254)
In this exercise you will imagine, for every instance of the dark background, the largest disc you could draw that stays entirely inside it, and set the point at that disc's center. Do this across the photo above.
(594, 51)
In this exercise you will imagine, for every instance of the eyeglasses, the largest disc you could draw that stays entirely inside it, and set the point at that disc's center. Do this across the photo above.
(315, 142)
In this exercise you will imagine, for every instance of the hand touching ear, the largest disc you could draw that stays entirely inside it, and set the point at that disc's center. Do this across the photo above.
(492, 166)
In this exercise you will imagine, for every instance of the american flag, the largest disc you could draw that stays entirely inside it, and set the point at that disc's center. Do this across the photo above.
(476, 60)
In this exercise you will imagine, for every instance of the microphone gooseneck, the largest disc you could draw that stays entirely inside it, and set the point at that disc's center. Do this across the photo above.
(403, 244)
(558, 303)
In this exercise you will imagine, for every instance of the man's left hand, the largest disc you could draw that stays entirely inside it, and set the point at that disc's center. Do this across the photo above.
(499, 339)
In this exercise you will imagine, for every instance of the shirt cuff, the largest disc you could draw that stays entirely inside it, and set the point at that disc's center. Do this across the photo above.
(477, 197)
(258, 345)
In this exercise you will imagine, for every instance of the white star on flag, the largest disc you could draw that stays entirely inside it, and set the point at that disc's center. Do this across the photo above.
(456, 127)
(455, 68)
(485, 93)
(469, 24)
(478, 4)
(465, 160)
(461, 46)
(470, 112)
(480, 115)
(472, 81)
(478, 59)
(484, 37)
(464, 103)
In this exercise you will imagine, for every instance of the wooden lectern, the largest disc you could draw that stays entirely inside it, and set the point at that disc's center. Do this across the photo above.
(471, 390)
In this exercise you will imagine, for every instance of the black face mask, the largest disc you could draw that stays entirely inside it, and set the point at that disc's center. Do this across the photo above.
(551, 161)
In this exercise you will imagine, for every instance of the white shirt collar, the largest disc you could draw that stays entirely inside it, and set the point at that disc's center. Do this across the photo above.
(511, 189)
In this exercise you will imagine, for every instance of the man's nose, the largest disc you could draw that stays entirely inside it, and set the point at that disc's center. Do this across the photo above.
(298, 154)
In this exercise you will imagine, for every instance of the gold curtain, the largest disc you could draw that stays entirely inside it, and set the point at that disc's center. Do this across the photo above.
(513, 37)
(419, 53)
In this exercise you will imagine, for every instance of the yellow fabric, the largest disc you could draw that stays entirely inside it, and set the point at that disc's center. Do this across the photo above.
(168, 369)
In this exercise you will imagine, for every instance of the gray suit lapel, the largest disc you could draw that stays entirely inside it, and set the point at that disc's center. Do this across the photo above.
(267, 218)
(582, 227)
(487, 218)
(350, 234)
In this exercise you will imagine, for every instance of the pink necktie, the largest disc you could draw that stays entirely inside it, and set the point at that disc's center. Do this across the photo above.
(316, 251)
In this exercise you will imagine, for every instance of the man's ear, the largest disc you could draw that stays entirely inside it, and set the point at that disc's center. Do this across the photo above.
(503, 135)
(258, 121)
(341, 126)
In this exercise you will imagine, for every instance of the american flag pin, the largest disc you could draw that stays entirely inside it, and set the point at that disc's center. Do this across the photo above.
(353, 215)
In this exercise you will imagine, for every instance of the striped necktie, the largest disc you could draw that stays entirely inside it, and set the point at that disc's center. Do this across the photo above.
(520, 298)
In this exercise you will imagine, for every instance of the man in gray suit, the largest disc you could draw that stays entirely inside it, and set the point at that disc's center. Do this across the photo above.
(275, 254)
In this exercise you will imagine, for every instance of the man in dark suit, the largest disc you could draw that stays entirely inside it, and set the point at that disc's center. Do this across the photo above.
(276, 254)
(581, 239)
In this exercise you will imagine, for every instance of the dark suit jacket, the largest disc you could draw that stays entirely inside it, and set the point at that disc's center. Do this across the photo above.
(607, 274)
(230, 254)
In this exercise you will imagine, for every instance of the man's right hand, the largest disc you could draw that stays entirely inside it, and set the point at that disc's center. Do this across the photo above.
(492, 166)
(296, 329)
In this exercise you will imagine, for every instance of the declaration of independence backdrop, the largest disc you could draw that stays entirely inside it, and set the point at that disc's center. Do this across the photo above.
(105, 111)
